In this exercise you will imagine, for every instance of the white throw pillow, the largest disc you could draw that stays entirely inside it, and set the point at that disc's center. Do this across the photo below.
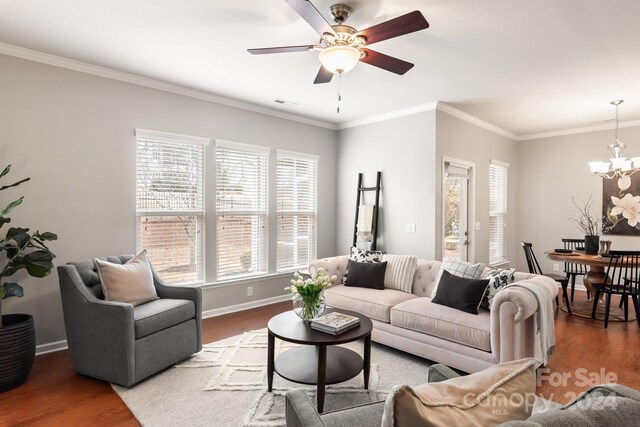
(460, 269)
(400, 271)
(131, 282)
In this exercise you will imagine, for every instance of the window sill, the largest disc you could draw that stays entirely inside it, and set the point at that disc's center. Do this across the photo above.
(501, 263)
(246, 280)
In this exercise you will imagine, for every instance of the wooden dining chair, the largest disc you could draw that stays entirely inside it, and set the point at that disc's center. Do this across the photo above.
(534, 268)
(572, 270)
(622, 278)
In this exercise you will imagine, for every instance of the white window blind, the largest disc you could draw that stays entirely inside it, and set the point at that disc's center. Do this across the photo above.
(497, 212)
(170, 204)
(297, 210)
(242, 210)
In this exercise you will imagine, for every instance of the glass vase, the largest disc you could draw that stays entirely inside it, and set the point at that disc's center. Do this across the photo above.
(309, 307)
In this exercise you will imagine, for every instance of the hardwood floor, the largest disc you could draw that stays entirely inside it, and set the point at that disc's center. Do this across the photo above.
(55, 396)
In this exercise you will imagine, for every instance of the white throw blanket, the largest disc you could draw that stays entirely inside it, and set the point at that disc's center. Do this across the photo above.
(544, 316)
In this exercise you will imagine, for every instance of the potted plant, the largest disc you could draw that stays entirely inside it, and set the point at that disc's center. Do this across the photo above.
(23, 251)
(589, 225)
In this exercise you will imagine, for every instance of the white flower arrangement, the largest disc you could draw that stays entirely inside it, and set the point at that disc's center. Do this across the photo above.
(312, 286)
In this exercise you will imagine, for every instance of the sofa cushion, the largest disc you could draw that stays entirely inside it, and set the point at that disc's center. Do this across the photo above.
(366, 274)
(498, 394)
(400, 272)
(373, 303)
(460, 269)
(422, 315)
(161, 314)
(460, 293)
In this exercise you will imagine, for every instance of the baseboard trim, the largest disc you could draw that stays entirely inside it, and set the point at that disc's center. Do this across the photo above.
(51, 347)
(245, 306)
(62, 345)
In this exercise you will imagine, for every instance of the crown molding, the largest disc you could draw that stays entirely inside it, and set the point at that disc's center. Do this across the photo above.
(445, 108)
(109, 73)
(574, 131)
(388, 116)
(436, 105)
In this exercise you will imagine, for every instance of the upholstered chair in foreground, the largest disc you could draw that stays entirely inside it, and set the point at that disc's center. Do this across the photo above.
(122, 343)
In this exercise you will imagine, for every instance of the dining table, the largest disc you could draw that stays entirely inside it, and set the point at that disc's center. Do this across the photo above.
(597, 266)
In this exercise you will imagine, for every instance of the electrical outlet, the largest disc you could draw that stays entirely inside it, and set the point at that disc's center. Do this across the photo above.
(411, 227)
(249, 291)
(556, 267)
(477, 226)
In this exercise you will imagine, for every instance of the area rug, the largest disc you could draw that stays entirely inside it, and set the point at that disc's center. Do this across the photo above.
(225, 385)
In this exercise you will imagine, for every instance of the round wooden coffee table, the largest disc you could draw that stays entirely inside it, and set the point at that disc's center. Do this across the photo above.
(318, 361)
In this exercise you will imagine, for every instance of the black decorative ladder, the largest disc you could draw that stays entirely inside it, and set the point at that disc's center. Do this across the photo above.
(360, 196)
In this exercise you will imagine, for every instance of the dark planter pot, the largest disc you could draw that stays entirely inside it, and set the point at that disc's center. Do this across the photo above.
(591, 244)
(17, 350)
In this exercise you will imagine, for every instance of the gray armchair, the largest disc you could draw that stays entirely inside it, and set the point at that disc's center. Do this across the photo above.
(118, 342)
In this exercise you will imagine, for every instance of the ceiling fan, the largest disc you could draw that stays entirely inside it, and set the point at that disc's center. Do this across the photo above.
(341, 47)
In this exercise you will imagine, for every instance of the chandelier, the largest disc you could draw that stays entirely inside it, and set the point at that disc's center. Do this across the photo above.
(617, 166)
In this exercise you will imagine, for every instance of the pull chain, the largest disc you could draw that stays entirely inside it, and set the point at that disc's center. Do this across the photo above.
(339, 94)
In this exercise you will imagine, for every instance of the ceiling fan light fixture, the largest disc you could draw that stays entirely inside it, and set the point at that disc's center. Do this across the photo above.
(339, 59)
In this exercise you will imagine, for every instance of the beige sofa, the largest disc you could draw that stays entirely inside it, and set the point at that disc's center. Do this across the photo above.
(412, 323)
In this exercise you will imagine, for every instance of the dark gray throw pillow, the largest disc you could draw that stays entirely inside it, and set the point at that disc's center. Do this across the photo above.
(366, 274)
(460, 293)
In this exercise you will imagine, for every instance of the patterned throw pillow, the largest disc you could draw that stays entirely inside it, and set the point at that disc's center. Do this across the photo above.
(460, 269)
(362, 255)
(498, 279)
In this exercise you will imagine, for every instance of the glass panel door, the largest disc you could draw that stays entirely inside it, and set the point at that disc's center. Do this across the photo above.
(456, 211)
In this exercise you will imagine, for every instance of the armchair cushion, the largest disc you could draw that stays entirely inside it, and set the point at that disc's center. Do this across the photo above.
(161, 314)
(131, 282)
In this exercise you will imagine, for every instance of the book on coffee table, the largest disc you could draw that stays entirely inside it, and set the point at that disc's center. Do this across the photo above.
(335, 323)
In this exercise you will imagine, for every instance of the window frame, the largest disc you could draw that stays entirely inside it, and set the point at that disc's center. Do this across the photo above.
(311, 214)
(502, 213)
(263, 215)
(175, 141)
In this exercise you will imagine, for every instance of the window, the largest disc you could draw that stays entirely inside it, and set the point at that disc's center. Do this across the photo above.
(242, 210)
(170, 204)
(297, 210)
(497, 212)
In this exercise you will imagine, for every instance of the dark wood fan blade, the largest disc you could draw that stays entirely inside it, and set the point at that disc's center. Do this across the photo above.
(405, 24)
(309, 13)
(282, 49)
(385, 62)
(324, 76)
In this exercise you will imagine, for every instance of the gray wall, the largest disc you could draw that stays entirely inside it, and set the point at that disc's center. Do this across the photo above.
(462, 140)
(404, 150)
(551, 172)
(72, 133)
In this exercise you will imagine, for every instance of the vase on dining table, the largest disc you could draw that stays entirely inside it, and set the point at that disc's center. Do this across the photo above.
(591, 244)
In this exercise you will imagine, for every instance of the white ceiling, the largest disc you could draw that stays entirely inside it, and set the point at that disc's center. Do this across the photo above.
(525, 66)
